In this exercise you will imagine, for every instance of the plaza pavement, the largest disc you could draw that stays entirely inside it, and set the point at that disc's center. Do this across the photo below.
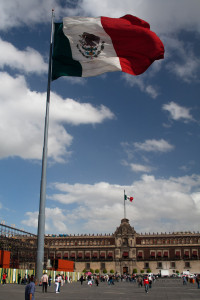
(163, 289)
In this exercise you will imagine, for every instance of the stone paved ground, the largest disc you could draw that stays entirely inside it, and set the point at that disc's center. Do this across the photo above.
(163, 289)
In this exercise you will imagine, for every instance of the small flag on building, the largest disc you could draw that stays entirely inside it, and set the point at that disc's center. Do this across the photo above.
(128, 198)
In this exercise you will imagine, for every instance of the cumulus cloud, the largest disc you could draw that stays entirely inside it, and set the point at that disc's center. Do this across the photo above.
(154, 146)
(163, 204)
(22, 120)
(178, 112)
(140, 168)
(140, 82)
(54, 220)
(28, 61)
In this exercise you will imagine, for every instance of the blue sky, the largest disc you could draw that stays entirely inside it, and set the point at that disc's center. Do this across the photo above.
(108, 133)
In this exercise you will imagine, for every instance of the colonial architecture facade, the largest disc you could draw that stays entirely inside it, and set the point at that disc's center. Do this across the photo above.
(126, 250)
(123, 251)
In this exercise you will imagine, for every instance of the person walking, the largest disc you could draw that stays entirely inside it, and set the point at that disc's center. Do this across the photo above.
(4, 278)
(184, 280)
(30, 289)
(198, 281)
(81, 279)
(44, 280)
(56, 284)
(59, 282)
(146, 284)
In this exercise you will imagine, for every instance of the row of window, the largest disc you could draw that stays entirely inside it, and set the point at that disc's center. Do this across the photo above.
(80, 255)
(172, 265)
(165, 253)
(172, 241)
(78, 243)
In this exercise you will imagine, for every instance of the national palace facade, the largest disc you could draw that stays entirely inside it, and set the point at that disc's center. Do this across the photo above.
(123, 251)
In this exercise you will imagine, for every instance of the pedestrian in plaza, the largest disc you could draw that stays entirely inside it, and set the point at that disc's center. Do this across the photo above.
(198, 281)
(56, 284)
(96, 280)
(19, 278)
(44, 280)
(150, 282)
(59, 282)
(139, 280)
(30, 289)
(49, 280)
(146, 284)
(4, 278)
(81, 279)
(184, 280)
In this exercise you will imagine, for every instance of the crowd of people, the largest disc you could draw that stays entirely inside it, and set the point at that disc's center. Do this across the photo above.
(146, 281)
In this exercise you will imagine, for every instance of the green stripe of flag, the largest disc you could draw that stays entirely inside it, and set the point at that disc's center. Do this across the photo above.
(62, 62)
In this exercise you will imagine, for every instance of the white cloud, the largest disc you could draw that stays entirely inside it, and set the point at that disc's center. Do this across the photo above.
(28, 61)
(54, 220)
(140, 82)
(178, 15)
(154, 146)
(178, 112)
(22, 120)
(140, 168)
(171, 204)
(181, 59)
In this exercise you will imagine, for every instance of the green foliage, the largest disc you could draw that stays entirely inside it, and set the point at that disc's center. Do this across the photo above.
(97, 271)
(112, 271)
(148, 270)
(142, 271)
(92, 271)
(177, 272)
(134, 271)
(84, 271)
(105, 271)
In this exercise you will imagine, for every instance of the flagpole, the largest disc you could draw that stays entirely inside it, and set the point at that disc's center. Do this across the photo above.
(41, 216)
(124, 206)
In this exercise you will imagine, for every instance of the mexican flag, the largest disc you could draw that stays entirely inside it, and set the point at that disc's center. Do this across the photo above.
(128, 198)
(87, 47)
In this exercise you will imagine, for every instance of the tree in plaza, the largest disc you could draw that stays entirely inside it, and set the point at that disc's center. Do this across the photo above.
(134, 271)
(148, 270)
(112, 271)
(142, 271)
(105, 271)
(97, 271)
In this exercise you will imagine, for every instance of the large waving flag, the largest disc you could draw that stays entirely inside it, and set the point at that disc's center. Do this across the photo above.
(87, 47)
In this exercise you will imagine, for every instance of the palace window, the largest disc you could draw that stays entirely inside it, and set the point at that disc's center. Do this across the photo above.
(103, 266)
(172, 265)
(159, 265)
(146, 265)
(87, 266)
(187, 264)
